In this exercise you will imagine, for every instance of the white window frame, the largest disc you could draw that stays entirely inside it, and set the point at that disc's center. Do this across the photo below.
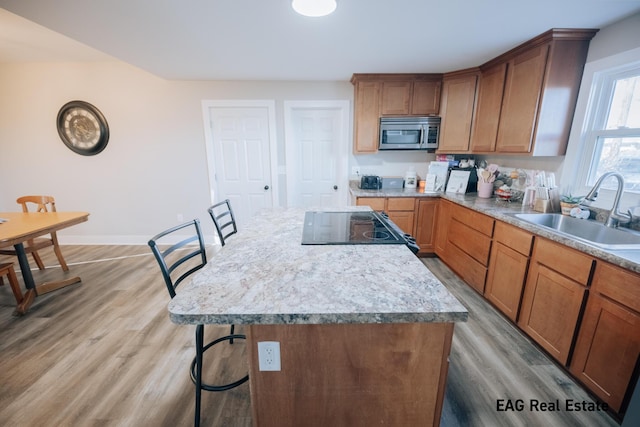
(591, 111)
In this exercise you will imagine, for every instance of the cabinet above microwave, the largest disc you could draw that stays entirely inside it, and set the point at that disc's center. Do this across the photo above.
(380, 95)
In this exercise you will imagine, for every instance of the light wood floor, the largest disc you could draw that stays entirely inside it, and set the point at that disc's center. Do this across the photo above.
(104, 353)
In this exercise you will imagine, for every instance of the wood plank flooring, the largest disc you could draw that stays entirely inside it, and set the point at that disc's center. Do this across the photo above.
(104, 353)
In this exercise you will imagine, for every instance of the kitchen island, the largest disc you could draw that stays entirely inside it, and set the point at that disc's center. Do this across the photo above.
(364, 330)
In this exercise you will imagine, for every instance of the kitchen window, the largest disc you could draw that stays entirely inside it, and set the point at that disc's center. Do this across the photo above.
(610, 139)
(615, 135)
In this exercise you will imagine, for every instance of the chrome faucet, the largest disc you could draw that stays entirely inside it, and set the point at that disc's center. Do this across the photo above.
(614, 217)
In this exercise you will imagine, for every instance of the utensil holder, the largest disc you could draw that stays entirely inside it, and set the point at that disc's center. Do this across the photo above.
(485, 189)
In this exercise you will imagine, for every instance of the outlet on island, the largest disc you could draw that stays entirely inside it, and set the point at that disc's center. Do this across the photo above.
(268, 355)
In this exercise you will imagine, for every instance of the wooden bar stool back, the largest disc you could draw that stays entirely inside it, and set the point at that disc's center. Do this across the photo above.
(42, 204)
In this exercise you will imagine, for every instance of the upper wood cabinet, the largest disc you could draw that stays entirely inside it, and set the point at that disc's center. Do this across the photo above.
(378, 95)
(367, 116)
(527, 96)
(487, 115)
(457, 107)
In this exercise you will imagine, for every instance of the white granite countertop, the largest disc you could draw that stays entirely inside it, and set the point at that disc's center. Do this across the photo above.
(264, 275)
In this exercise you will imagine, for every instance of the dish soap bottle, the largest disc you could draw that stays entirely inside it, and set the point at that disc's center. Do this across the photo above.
(410, 178)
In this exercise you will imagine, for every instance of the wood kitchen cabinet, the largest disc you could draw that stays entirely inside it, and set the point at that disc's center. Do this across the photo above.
(489, 103)
(467, 245)
(508, 266)
(401, 210)
(457, 107)
(425, 228)
(378, 95)
(367, 115)
(608, 346)
(537, 85)
(553, 296)
(443, 219)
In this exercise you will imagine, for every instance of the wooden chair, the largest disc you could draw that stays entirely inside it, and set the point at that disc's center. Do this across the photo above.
(8, 271)
(43, 204)
(224, 220)
(177, 262)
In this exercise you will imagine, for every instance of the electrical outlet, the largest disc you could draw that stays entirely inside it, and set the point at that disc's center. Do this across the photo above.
(268, 355)
(355, 170)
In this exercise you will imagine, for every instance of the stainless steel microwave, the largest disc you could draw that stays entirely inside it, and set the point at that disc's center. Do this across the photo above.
(409, 133)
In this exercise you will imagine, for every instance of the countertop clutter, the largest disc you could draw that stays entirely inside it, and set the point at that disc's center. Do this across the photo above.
(504, 210)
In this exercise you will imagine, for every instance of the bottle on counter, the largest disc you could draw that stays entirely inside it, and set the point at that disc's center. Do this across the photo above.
(410, 178)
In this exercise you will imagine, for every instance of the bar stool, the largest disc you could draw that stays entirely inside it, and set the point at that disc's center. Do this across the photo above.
(173, 258)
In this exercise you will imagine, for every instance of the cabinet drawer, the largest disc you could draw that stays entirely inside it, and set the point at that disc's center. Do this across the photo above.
(568, 262)
(470, 270)
(375, 203)
(475, 220)
(473, 243)
(513, 237)
(401, 203)
(619, 285)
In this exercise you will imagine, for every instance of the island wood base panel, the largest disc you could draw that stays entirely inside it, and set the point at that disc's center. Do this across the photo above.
(351, 374)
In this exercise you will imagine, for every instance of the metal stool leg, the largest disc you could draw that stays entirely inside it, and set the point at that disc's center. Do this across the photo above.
(199, 351)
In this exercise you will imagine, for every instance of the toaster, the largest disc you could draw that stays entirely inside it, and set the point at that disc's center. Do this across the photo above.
(370, 182)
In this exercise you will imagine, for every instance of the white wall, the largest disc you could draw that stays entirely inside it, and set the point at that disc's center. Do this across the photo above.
(154, 166)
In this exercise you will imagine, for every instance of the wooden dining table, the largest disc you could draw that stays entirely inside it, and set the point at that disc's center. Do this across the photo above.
(18, 227)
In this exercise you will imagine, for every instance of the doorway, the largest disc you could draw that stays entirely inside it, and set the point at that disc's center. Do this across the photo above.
(317, 149)
(242, 155)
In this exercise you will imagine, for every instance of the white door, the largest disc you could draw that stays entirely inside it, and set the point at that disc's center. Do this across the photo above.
(317, 147)
(241, 155)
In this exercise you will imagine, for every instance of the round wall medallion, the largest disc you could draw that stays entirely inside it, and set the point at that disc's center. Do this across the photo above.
(83, 128)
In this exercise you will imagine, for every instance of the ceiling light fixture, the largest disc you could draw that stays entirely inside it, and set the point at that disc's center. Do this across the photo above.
(314, 8)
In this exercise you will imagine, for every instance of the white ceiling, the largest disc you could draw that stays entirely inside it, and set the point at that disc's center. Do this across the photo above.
(266, 40)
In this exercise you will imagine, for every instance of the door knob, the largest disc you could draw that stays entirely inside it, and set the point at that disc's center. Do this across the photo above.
(266, 187)
(335, 187)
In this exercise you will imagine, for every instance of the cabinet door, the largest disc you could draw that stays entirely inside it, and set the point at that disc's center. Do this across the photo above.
(550, 309)
(425, 98)
(607, 349)
(425, 225)
(610, 326)
(522, 92)
(458, 98)
(367, 116)
(396, 98)
(490, 91)
(505, 279)
(403, 219)
(442, 227)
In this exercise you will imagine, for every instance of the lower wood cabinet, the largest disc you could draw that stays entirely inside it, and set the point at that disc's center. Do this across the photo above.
(508, 266)
(467, 244)
(608, 347)
(401, 210)
(553, 296)
(426, 224)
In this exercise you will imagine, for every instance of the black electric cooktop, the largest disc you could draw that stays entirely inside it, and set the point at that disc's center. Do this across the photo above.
(348, 228)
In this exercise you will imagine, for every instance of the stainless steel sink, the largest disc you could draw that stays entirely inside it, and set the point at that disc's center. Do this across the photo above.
(588, 231)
